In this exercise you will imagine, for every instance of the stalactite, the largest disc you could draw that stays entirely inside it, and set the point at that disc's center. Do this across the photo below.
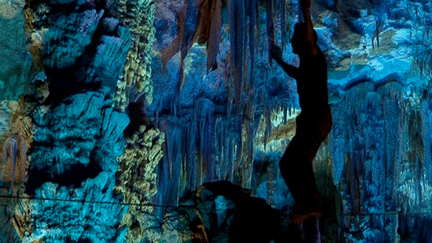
(208, 155)
(177, 44)
(207, 30)
(283, 22)
(270, 29)
(14, 169)
(190, 136)
(239, 141)
(214, 36)
(236, 39)
(250, 142)
(252, 21)
(167, 151)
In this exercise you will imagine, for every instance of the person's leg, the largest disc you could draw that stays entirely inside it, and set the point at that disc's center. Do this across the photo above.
(296, 163)
(297, 169)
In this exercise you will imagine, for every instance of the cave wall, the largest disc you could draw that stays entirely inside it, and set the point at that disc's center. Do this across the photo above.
(102, 121)
(377, 156)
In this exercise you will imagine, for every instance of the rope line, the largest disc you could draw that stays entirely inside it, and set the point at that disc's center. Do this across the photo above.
(188, 206)
(95, 202)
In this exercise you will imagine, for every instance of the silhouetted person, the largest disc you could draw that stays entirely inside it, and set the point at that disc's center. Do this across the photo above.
(313, 123)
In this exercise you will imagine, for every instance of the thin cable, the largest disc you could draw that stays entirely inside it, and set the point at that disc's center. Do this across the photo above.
(192, 206)
(95, 202)
(386, 213)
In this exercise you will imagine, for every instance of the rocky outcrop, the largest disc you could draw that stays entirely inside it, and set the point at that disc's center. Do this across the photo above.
(218, 212)
(137, 174)
(94, 55)
(15, 141)
(13, 55)
(230, 214)
(376, 159)
(77, 134)
(139, 16)
(380, 159)
(74, 159)
(374, 169)
(69, 138)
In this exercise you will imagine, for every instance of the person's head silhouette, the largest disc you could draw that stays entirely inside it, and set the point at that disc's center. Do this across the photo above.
(299, 42)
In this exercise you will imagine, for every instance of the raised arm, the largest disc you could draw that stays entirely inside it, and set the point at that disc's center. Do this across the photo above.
(289, 69)
(310, 32)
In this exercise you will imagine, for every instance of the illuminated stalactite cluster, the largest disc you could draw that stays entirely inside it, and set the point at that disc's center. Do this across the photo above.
(217, 133)
(16, 142)
(348, 34)
(9, 9)
(244, 29)
(376, 161)
(22, 220)
(34, 33)
(139, 17)
(232, 122)
(77, 134)
(137, 177)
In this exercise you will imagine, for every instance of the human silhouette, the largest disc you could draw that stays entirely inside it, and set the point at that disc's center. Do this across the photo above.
(314, 122)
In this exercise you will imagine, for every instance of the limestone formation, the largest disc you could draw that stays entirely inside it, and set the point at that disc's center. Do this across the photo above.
(9, 9)
(137, 178)
(139, 17)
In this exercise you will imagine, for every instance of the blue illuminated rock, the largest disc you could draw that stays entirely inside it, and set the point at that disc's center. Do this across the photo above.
(75, 148)
(377, 159)
(378, 155)
(77, 28)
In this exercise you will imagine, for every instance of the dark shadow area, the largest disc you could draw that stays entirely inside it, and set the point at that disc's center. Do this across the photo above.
(230, 214)
(137, 118)
(73, 176)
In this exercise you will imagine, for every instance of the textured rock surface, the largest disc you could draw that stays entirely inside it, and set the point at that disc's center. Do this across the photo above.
(175, 227)
(77, 47)
(78, 28)
(379, 83)
(137, 177)
(376, 161)
(14, 58)
(78, 135)
(221, 212)
(75, 149)
(230, 214)
(139, 17)
(380, 159)
(10, 9)
(9, 231)
(16, 141)
(69, 137)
